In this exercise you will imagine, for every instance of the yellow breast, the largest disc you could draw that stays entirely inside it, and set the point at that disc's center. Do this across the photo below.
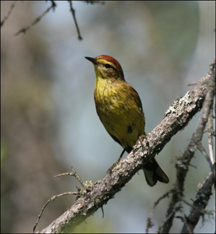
(119, 111)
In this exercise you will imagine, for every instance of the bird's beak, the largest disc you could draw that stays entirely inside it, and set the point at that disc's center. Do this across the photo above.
(93, 60)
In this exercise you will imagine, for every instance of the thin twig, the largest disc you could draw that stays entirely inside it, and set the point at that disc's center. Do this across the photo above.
(102, 211)
(203, 151)
(9, 12)
(75, 20)
(177, 207)
(210, 144)
(72, 173)
(24, 30)
(193, 83)
(149, 222)
(185, 221)
(52, 199)
(194, 207)
(210, 136)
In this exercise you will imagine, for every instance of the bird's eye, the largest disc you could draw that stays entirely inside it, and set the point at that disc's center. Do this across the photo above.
(107, 66)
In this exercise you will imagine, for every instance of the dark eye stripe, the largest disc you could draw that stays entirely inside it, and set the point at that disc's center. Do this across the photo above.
(107, 65)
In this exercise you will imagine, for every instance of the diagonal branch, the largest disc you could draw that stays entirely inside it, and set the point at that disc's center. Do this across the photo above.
(23, 30)
(8, 14)
(176, 118)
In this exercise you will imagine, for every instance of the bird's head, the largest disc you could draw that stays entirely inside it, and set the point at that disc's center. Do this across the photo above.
(106, 67)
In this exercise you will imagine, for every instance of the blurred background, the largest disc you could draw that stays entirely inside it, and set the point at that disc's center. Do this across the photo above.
(49, 122)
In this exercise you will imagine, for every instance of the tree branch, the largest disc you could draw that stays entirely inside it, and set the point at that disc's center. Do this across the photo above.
(75, 20)
(200, 203)
(53, 6)
(24, 30)
(183, 163)
(9, 12)
(176, 118)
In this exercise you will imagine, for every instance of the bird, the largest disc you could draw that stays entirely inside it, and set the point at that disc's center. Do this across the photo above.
(120, 110)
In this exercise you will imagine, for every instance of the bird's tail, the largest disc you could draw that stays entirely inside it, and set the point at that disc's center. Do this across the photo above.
(153, 173)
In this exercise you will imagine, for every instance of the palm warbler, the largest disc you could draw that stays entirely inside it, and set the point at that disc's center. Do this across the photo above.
(120, 110)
